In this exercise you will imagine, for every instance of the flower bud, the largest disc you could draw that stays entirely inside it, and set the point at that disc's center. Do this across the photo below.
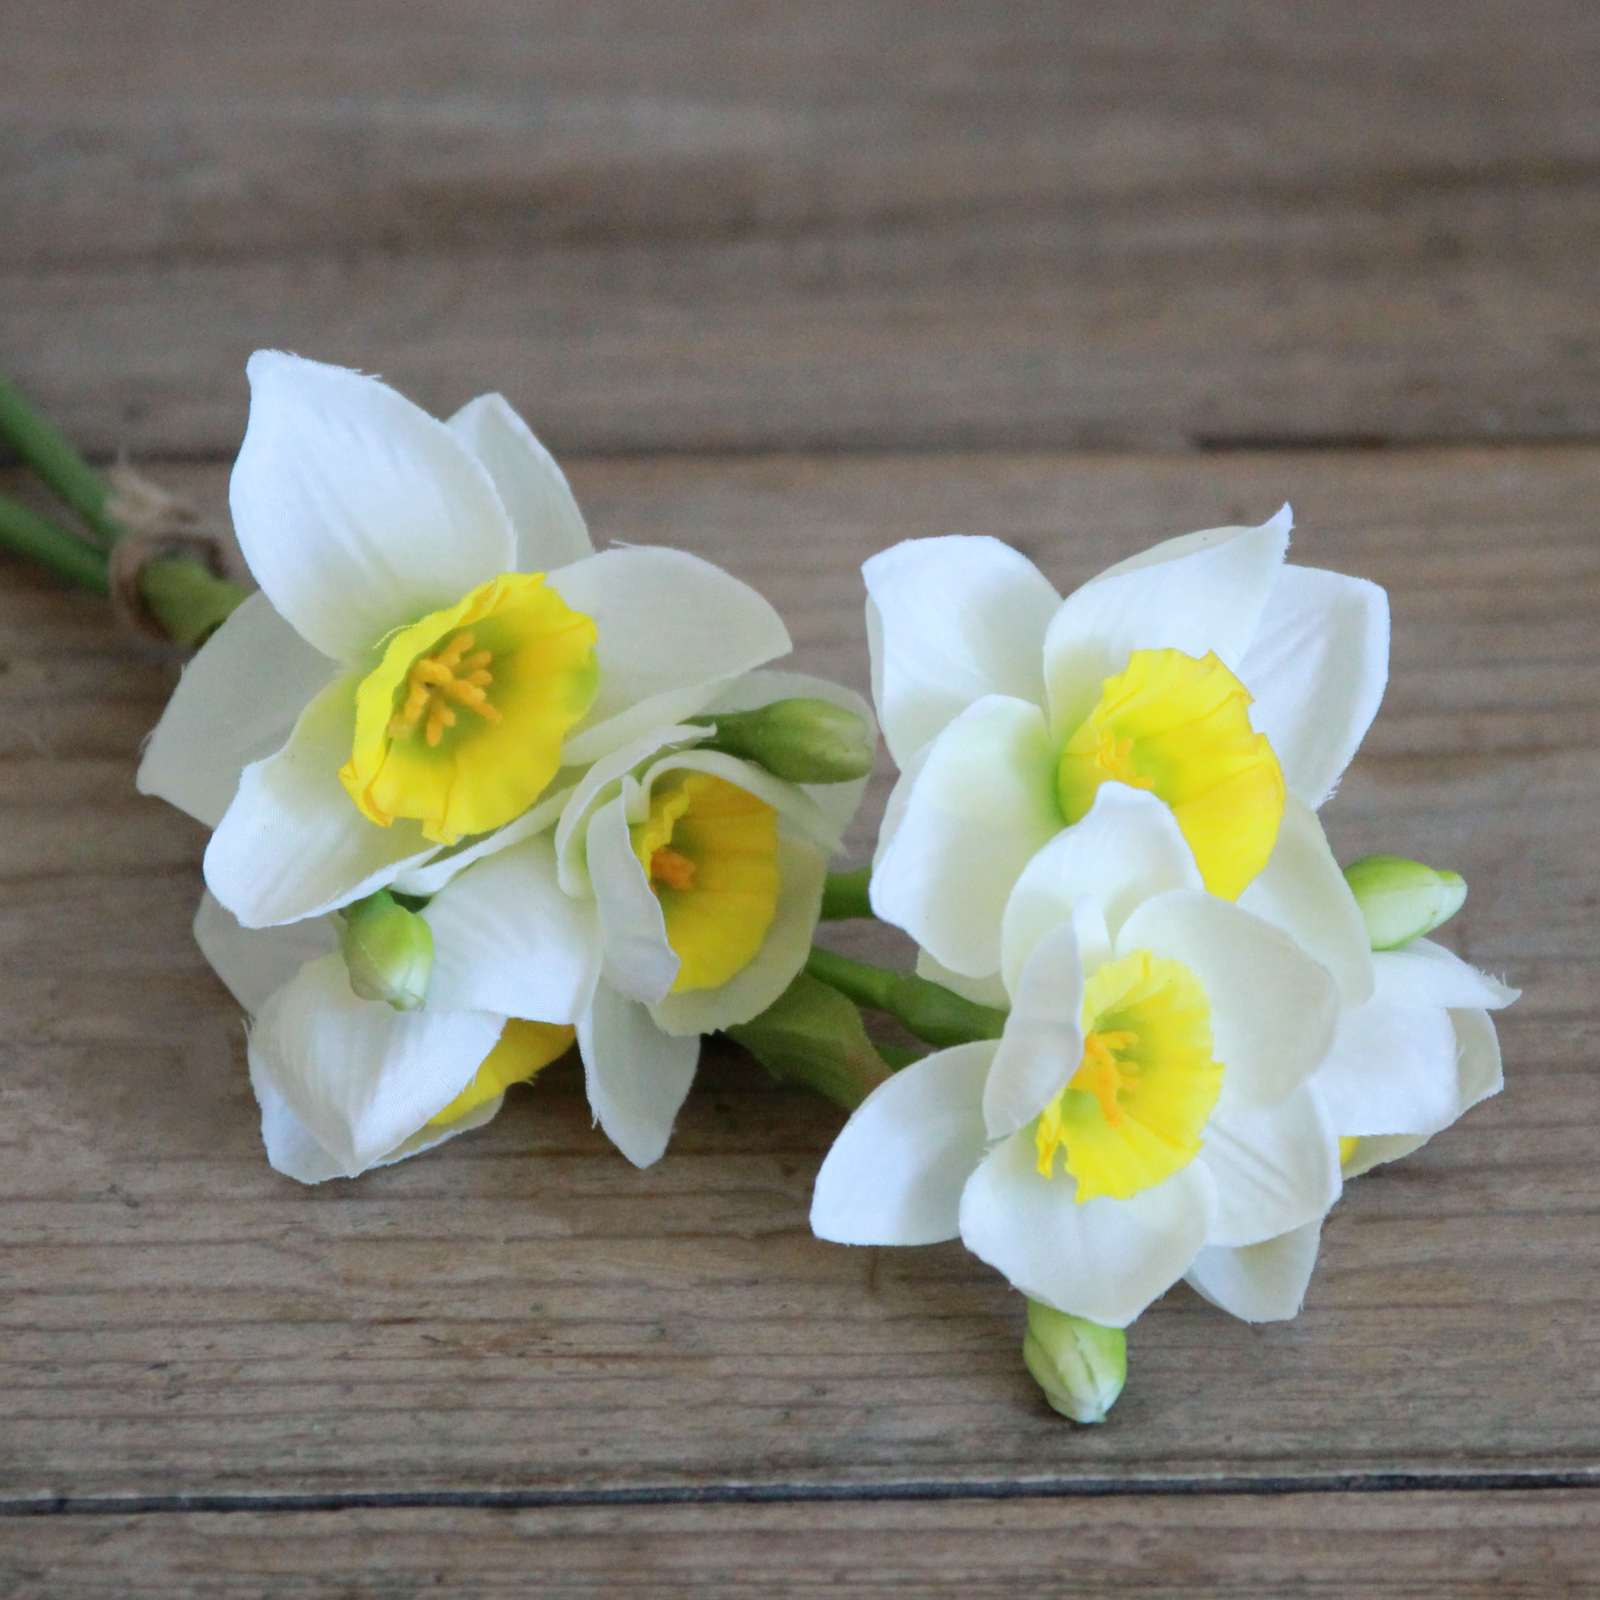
(1080, 1365)
(800, 740)
(1402, 900)
(388, 951)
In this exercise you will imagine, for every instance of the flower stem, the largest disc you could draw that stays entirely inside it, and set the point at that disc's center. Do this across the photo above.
(189, 600)
(844, 895)
(52, 455)
(39, 539)
(898, 1056)
(932, 1012)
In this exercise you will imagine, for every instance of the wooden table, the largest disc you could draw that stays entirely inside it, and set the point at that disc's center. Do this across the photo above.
(783, 284)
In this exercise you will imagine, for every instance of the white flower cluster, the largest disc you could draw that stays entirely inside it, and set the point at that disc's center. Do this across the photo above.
(478, 792)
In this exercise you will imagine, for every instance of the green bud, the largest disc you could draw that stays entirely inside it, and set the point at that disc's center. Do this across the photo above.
(1402, 900)
(812, 1035)
(800, 740)
(1080, 1366)
(388, 951)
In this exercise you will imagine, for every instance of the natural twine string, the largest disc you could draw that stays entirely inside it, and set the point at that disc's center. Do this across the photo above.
(159, 525)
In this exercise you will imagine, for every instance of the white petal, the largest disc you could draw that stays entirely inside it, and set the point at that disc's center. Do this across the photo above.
(433, 875)
(602, 782)
(988, 991)
(1478, 1068)
(982, 804)
(1317, 668)
(838, 802)
(1274, 1169)
(545, 518)
(638, 960)
(292, 844)
(290, 1148)
(1126, 851)
(235, 703)
(1379, 1152)
(1302, 891)
(792, 801)
(637, 1076)
(360, 1076)
(773, 968)
(506, 939)
(1392, 1069)
(254, 962)
(894, 808)
(1426, 974)
(1200, 593)
(1273, 1008)
(949, 621)
(1043, 1042)
(1263, 1282)
(357, 512)
(672, 630)
(1104, 1259)
(293, 1152)
(895, 1173)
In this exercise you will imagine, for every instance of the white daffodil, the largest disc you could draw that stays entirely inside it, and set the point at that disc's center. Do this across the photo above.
(1150, 1096)
(1418, 1055)
(671, 892)
(433, 641)
(345, 1084)
(705, 874)
(1206, 671)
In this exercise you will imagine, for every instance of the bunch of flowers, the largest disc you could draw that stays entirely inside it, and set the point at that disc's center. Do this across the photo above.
(480, 795)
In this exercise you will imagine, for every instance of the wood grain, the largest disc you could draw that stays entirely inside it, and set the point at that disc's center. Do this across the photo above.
(1386, 1546)
(523, 1312)
(745, 226)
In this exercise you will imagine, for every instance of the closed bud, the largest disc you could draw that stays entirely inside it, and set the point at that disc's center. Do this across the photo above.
(800, 740)
(1080, 1365)
(388, 951)
(1402, 900)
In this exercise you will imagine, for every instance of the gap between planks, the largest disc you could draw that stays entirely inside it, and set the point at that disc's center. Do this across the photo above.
(808, 1493)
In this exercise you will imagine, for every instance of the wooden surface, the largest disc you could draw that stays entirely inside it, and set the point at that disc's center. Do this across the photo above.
(973, 267)
(1382, 1546)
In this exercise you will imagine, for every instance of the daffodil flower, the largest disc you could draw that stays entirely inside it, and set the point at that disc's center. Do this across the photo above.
(1205, 671)
(433, 643)
(1404, 1066)
(1150, 1097)
(346, 1084)
(670, 892)
(705, 873)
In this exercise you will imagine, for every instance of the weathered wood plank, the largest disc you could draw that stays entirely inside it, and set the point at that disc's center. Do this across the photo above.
(838, 225)
(523, 1310)
(1387, 1546)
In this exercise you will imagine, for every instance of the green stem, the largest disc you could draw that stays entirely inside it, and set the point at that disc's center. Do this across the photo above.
(929, 1010)
(844, 895)
(40, 540)
(189, 600)
(899, 1056)
(51, 454)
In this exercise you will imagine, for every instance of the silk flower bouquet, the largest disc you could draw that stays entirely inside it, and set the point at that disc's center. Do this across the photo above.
(480, 795)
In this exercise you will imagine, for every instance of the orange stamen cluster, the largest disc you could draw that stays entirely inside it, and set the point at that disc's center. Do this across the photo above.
(438, 683)
(1114, 756)
(672, 868)
(1101, 1072)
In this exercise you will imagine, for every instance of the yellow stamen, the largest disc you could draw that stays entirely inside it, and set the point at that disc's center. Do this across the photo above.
(672, 868)
(710, 849)
(1132, 1114)
(514, 655)
(434, 680)
(1101, 1074)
